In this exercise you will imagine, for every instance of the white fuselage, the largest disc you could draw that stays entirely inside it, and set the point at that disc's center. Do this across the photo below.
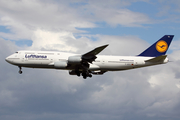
(47, 59)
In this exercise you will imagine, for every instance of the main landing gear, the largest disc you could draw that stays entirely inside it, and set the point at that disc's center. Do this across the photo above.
(20, 71)
(86, 74)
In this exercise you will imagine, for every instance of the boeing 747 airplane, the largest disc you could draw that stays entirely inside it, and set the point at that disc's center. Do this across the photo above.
(90, 62)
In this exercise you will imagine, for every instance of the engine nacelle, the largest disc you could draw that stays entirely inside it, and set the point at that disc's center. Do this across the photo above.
(60, 65)
(74, 59)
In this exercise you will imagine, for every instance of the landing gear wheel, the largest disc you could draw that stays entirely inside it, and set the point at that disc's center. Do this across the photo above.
(78, 73)
(84, 75)
(20, 71)
(90, 75)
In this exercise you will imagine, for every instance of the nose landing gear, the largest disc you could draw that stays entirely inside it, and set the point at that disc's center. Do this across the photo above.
(20, 71)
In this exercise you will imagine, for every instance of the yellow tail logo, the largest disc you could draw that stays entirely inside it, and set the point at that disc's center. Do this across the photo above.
(161, 46)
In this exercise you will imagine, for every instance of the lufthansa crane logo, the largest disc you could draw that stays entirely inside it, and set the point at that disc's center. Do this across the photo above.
(161, 46)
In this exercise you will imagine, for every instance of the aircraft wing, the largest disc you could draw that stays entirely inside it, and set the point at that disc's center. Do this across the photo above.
(91, 56)
(85, 60)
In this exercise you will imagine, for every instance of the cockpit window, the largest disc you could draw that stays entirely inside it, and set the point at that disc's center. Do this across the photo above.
(16, 52)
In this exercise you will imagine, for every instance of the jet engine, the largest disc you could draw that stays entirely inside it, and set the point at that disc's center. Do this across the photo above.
(60, 65)
(74, 60)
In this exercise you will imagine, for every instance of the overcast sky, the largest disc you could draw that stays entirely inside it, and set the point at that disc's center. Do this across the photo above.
(128, 26)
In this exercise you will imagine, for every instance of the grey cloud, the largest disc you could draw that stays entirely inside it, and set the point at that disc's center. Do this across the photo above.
(145, 93)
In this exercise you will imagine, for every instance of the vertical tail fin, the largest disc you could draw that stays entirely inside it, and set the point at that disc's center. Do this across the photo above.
(158, 48)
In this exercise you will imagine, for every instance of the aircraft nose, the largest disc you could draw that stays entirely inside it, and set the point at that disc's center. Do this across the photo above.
(7, 59)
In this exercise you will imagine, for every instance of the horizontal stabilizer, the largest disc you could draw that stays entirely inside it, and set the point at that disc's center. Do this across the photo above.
(157, 59)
